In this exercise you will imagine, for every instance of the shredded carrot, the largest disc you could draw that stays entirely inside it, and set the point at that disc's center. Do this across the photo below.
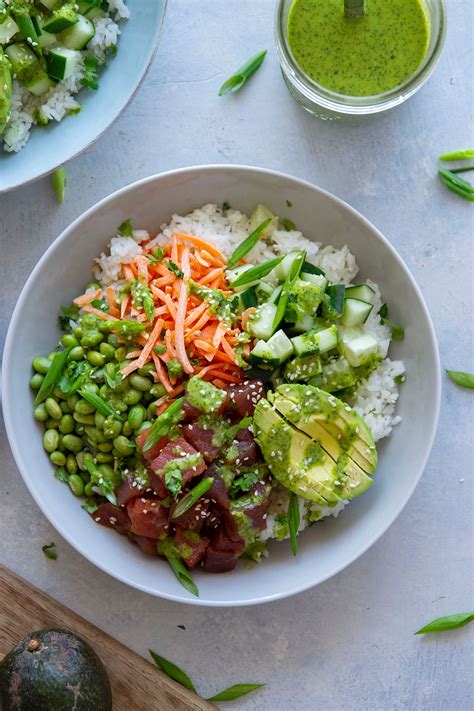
(87, 298)
(124, 305)
(212, 275)
(141, 263)
(100, 314)
(195, 314)
(128, 272)
(162, 375)
(227, 348)
(205, 246)
(169, 344)
(111, 297)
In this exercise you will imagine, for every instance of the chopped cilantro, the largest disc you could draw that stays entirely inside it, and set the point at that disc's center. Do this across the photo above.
(50, 551)
(174, 268)
(91, 64)
(175, 369)
(160, 349)
(125, 229)
(66, 314)
(156, 256)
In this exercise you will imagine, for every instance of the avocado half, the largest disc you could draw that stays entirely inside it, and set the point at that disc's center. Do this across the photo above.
(315, 444)
(53, 669)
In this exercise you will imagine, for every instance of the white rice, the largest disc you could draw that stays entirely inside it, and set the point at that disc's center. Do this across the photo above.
(375, 399)
(29, 110)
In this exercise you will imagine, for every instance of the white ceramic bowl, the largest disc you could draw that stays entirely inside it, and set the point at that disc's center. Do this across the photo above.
(55, 144)
(327, 547)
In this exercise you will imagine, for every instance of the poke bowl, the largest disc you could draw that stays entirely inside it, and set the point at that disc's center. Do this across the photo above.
(67, 72)
(319, 411)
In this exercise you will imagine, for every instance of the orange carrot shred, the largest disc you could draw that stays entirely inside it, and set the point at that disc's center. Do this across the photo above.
(87, 298)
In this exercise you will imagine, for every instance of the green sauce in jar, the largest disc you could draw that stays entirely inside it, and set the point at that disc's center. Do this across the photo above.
(359, 57)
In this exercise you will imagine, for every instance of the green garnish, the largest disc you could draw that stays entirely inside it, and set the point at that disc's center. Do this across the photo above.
(450, 176)
(258, 272)
(291, 277)
(237, 80)
(89, 505)
(289, 203)
(174, 481)
(50, 551)
(168, 549)
(458, 155)
(123, 328)
(164, 423)
(289, 225)
(98, 479)
(309, 268)
(160, 349)
(53, 375)
(174, 367)
(192, 496)
(450, 622)
(398, 332)
(293, 521)
(99, 404)
(172, 671)
(141, 296)
(465, 380)
(66, 314)
(112, 375)
(156, 256)
(59, 183)
(76, 374)
(125, 229)
(174, 268)
(91, 64)
(248, 244)
(225, 207)
(235, 692)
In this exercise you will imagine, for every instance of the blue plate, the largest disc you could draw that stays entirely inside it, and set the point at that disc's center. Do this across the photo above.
(50, 147)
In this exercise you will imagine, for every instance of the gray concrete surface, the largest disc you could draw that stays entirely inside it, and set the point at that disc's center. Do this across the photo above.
(347, 644)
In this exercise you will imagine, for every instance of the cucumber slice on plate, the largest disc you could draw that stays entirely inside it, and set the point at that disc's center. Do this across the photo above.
(61, 62)
(261, 322)
(79, 35)
(316, 341)
(8, 29)
(45, 39)
(50, 4)
(274, 352)
(281, 270)
(62, 18)
(355, 312)
(364, 292)
(249, 298)
(359, 350)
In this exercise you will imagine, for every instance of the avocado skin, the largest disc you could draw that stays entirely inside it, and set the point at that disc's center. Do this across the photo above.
(63, 673)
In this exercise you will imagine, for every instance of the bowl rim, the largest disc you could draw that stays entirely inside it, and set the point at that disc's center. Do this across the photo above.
(140, 79)
(9, 364)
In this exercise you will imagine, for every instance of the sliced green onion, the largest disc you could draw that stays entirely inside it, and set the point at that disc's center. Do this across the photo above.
(59, 183)
(168, 549)
(450, 622)
(164, 423)
(258, 272)
(53, 375)
(293, 521)
(173, 671)
(248, 244)
(464, 380)
(235, 692)
(467, 195)
(457, 155)
(192, 496)
(453, 178)
(309, 268)
(398, 332)
(237, 80)
(289, 225)
(99, 404)
(291, 277)
(125, 229)
(98, 479)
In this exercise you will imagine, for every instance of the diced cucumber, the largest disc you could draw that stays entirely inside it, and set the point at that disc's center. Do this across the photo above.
(301, 369)
(275, 295)
(348, 333)
(355, 312)
(260, 323)
(37, 80)
(50, 4)
(62, 62)
(309, 268)
(28, 30)
(62, 18)
(316, 341)
(45, 39)
(233, 274)
(21, 57)
(77, 36)
(359, 350)
(364, 292)
(264, 291)
(262, 355)
(335, 304)
(85, 6)
(338, 374)
(249, 298)
(317, 279)
(8, 29)
(259, 215)
(274, 352)
(304, 323)
(282, 269)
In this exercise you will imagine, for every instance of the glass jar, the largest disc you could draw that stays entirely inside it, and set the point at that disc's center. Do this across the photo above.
(327, 104)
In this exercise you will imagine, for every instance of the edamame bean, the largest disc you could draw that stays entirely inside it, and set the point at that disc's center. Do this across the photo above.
(80, 461)
(146, 369)
(104, 447)
(88, 457)
(40, 413)
(95, 358)
(72, 400)
(51, 423)
(104, 392)
(145, 426)
(107, 350)
(123, 446)
(58, 458)
(83, 407)
(120, 353)
(140, 382)
(77, 353)
(90, 320)
(132, 396)
(65, 409)
(79, 429)
(84, 419)
(36, 380)
(152, 409)
(136, 416)
(91, 338)
(52, 355)
(91, 433)
(58, 394)
(113, 340)
(91, 388)
(78, 332)
(73, 443)
(71, 464)
(99, 420)
(88, 490)
(66, 426)
(51, 440)
(126, 429)
(103, 457)
(122, 386)
(69, 340)
(41, 364)
(158, 390)
(76, 484)
(52, 408)
(112, 427)
(92, 285)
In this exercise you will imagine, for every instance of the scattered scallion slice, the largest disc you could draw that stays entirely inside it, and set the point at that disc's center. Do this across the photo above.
(98, 480)
(293, 521)
(237, 80)
(59, 183)
(465, 380)
(458, 155)
(162, 425)
(192, 496)
(52, 376)
(50, 551)
(167, 548)
(173, 671)
(450, 176)
(248, 244)
(258, 272)
(235, 692)
(100, 405)
(450, 622)
(398, 332)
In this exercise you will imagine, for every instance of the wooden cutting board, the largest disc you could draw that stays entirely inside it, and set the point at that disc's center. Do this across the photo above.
(136, 684)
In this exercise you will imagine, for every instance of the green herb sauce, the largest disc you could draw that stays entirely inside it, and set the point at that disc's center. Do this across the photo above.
(358, 57)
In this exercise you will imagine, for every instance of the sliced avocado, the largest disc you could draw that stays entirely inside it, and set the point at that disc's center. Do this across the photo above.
(296, 460)
(352, 478)
(5, 90)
